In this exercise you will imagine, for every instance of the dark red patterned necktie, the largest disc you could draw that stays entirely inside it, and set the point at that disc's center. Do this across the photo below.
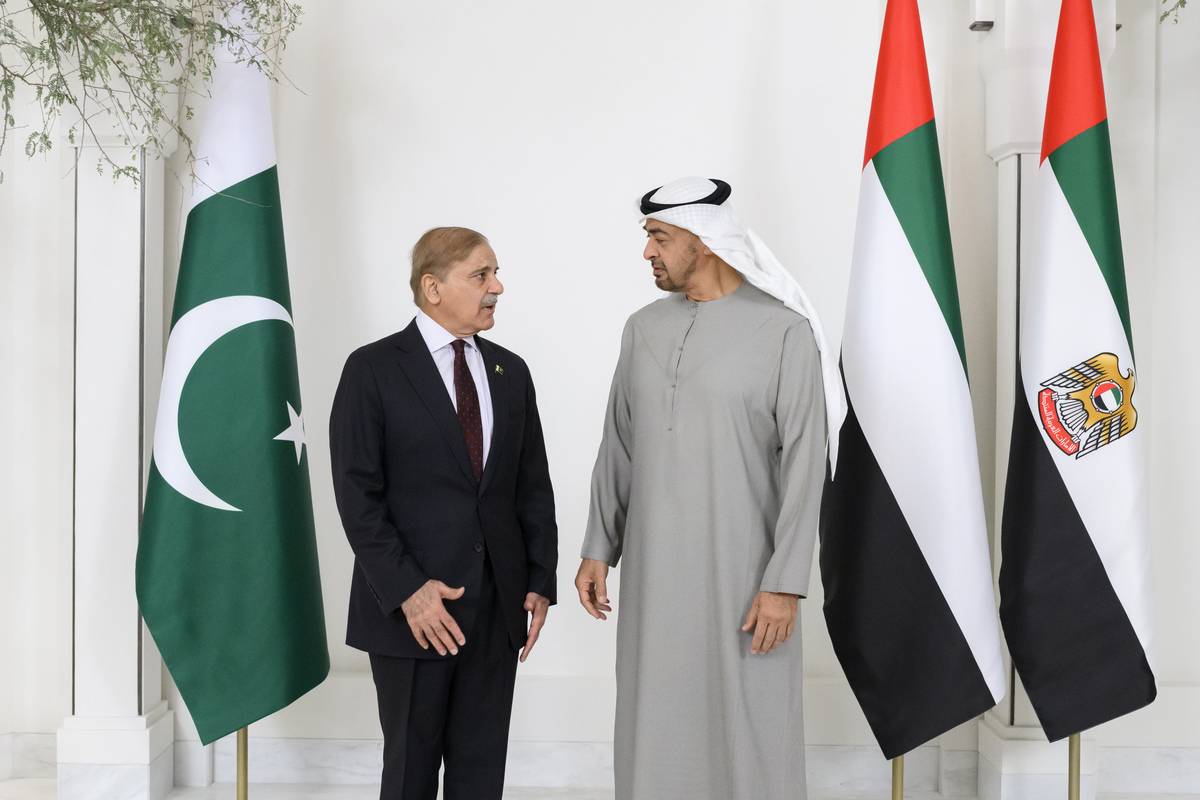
(468, 407)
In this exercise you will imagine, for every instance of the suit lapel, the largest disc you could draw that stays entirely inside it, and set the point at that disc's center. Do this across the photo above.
(417, 363)
(498, 387)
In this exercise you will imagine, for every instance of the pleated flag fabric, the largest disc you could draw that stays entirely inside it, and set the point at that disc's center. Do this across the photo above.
(904, 553)
(227, 572)
(1073, 571)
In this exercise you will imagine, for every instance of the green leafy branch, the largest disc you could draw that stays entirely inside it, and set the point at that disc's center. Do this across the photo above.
(1173, 7)
(134, 64)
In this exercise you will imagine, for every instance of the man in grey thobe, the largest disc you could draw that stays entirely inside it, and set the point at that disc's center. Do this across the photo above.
(707, 488)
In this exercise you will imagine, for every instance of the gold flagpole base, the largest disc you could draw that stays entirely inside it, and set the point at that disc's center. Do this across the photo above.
(898, 778)
(1073, 767)
(243, 748)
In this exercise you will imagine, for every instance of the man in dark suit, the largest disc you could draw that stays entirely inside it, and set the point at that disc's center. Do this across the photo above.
(440, 475)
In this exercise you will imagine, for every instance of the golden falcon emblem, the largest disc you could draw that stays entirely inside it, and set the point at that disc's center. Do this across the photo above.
(1088, 406)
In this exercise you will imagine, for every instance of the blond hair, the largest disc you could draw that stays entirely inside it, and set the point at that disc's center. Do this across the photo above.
(437, 250)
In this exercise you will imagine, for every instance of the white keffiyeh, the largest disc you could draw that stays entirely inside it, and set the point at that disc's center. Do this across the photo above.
(742, 249)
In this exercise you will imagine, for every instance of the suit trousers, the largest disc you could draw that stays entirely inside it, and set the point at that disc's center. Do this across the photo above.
(453, 708)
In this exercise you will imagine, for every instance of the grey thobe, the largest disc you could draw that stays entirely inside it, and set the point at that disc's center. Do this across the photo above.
(707, 488)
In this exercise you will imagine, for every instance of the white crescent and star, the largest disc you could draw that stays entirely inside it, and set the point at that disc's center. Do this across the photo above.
(294, 431)
(191, 337)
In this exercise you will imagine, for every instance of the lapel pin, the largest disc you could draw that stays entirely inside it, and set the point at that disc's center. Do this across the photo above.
(499, 370)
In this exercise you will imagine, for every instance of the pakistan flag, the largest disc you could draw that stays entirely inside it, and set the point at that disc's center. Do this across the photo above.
(227, 574)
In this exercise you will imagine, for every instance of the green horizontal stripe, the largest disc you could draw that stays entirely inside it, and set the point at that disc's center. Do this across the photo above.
(1084, 170)
(233, 245)
(910, 170)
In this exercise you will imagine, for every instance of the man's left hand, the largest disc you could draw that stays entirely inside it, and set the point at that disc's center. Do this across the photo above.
(772, 617)
(538, 606)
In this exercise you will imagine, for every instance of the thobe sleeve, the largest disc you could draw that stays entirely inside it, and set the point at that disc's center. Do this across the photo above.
(611, 476)
(800, 423)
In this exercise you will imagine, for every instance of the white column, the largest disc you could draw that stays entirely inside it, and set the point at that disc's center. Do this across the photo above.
(118, 741)
(1015, 760)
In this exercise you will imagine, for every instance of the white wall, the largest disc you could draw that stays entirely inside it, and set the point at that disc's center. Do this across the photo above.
(549, 164)
(1174, 500)
(8, 597)
(35, 437)
(539, 123)
(1154, 118)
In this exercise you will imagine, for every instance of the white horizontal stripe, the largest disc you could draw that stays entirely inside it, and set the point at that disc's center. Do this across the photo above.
(232, 136)
(1068, 316)
(906, 382)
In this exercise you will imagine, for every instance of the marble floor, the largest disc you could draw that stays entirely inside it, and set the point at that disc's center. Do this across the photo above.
(44, 790)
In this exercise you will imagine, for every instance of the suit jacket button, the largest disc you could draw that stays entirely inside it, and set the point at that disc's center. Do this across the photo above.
(479, 547)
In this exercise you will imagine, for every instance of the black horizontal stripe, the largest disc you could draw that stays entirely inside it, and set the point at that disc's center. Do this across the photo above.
(1071, 641)
(897, 640)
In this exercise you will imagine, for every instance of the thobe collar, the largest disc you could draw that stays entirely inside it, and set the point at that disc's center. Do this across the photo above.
(740, 290)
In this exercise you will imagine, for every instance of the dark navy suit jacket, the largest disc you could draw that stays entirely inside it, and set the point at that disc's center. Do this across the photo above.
(410, 503)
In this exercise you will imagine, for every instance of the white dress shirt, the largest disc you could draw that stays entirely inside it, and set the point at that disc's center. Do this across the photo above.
(438, 340)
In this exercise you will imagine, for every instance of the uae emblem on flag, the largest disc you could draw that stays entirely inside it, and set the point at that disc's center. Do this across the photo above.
(904, 550)
(1088, 406)
(1073, 572)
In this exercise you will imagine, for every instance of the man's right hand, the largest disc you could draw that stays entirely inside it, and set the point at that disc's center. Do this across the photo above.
(592, 583)
(429, 620)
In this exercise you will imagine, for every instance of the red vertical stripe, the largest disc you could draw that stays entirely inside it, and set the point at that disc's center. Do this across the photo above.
(902, 101)
(1075, 101)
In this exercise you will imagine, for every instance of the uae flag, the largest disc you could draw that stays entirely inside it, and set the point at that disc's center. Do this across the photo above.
(904, 550)
(1073, 573)
(227, 575)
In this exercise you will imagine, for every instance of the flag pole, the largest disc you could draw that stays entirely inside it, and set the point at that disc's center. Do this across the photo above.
(243, 747)
(1073, 767)
(898, 778)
